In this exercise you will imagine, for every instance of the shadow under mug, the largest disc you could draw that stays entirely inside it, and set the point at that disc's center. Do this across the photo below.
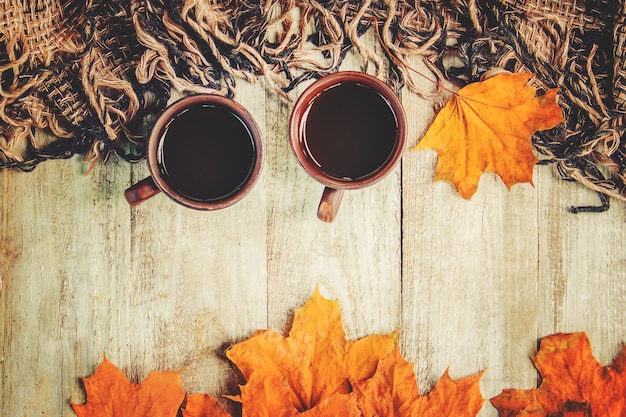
(348, 131)
(205, 152)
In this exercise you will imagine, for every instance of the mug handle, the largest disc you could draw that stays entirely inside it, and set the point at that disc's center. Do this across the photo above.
(141, 191)
(329, 204)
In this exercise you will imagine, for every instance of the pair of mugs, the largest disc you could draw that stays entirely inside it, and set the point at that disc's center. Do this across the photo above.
(347, 130)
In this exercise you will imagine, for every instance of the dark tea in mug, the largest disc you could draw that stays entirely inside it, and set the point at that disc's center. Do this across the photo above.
(206, 153)
(350, 131)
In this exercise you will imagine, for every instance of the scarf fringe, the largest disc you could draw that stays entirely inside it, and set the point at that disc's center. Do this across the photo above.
(94, 73)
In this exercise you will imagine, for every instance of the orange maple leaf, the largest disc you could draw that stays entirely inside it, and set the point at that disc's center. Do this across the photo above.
(111, 394)
(202, 405)
(309, 371)
(487, 126)
(573, 383)
(393, 391)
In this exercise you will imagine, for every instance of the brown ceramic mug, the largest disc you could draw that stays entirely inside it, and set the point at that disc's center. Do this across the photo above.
(205, 152)
(347, 130)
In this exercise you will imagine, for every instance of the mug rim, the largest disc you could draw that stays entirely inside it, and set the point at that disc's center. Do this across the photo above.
(298, 117)
(156, 137)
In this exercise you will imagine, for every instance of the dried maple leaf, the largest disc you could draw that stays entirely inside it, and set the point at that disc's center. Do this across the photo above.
(111, 394)
(311, 370)
(573, 383)
(487, 126)
(393, 391)
(202, 405)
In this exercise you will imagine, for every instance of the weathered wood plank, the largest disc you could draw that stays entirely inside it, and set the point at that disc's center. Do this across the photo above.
(469, 293)
(68, 232)
(197, 280)
(356, 259)
(582, 285)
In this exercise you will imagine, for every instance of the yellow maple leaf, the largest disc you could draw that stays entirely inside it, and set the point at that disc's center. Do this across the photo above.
(488, 126)
(310, 370)
(316, 372)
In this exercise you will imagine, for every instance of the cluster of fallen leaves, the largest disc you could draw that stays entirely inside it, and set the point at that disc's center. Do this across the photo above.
(574, 383)
(316, 372)
(313, 372)
(488, 126)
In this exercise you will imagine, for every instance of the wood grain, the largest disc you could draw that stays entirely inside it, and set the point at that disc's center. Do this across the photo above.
(471, 285)
(582, 284)
(356, 259)
(469, 294)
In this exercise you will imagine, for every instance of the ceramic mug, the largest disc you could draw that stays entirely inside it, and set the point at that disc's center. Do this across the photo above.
(348, 131)
(205, 152)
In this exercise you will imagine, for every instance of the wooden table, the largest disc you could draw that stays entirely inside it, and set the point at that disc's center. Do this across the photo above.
(470, 285)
